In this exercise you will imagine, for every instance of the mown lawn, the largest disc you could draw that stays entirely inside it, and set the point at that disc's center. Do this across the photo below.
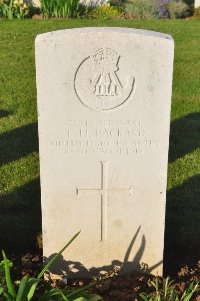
(20, 216)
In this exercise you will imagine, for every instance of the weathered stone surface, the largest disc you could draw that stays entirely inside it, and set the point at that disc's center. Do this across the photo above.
(104, 99)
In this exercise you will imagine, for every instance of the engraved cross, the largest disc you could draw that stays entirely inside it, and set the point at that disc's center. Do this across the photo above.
(103, 191)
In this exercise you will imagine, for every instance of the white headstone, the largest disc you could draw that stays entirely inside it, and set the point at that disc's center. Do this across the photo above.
(197, 3)
(104, 98)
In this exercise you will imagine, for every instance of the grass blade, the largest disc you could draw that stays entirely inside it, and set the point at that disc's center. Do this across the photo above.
(10, 286)
(32, 287)
(143, 296)
(1, 290)
(77, 293)
(94, 297)
(54, 292)
(190, 291)
(21, 294)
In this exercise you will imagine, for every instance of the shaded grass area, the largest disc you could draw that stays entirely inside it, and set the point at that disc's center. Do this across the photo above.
(20, 214)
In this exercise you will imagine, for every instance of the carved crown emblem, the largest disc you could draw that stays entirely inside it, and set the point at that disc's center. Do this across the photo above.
(98, 84)
(105, 60)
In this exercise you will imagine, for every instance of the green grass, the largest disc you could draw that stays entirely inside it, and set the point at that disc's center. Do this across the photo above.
(20, 216)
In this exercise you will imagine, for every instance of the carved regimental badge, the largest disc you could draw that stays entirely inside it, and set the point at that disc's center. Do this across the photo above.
(104, 81)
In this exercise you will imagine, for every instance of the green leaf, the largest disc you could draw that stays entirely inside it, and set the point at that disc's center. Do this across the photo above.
(52, 293)
(8, 297)
(94, 297)
(80, 292)
(87, 297)
(9, 263)
(32, 284)
(21, 294)
(188, 297)
(1, 290)
(143, 296)
(56, 256)
(190, 291)
(10, 286)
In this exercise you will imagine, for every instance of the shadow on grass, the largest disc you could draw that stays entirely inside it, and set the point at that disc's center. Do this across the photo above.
(184, 136)
(182, 226)
(20, 218)
(75, 269)
(18, 143)
(4, 113)
(20, 212)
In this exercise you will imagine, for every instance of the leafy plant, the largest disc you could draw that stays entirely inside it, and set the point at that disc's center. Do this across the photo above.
(7, 9)
(197, 13)
(178, 9)
(104, 12)
(120, 4)
(142, 9)
(27, 286)
(13, 9)
(168, 293)
(147, 9)
(60, 8)
(163, 8)
(20, 9)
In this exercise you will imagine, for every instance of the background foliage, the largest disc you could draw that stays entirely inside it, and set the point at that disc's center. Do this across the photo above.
(148, 9)
(136, 9)
(60, 8)
(13, 9)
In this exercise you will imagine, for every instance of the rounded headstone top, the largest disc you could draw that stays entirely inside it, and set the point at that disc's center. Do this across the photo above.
(87, 30)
